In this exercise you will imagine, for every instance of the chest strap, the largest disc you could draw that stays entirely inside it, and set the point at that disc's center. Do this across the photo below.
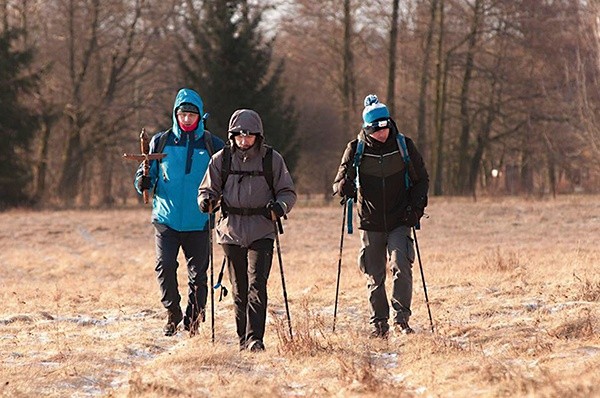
(245, 211)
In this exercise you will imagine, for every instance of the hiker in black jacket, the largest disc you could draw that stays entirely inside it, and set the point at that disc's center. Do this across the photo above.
(391, 193)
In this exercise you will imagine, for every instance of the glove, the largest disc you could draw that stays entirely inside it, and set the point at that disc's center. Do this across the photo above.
(277, 208)
(144, 183)
(413, 215)
(347, 188)
(207, 205)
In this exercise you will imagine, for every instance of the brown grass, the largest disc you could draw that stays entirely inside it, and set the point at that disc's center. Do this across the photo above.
(513, 285)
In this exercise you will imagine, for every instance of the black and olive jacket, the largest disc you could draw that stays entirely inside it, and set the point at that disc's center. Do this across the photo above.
(382, 195)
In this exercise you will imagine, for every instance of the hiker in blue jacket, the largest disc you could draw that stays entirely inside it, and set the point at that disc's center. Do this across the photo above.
(390, 183)
(178, 223)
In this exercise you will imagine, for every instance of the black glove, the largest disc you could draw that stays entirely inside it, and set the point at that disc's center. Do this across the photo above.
(277, 208)
(413, 215)
(207, 205)
(144, 183)
(347, 188)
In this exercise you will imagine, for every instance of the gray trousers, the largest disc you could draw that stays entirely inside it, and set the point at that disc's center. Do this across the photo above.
(377, 250)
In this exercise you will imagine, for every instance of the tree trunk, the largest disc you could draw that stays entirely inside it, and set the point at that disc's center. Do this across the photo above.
(348, 94)
(440, 80)
(72, 165)
(41, 165)
(422, 110)
(552, 173)
(462, 182)
(391, 89)
(105, 185)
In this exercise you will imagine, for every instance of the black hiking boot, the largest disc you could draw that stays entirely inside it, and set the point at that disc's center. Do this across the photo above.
(256, 346)
(174, 317)
(380, 330)
(191, 323)
(402, 327)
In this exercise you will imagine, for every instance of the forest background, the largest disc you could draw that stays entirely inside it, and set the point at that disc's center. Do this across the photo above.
(501, 96)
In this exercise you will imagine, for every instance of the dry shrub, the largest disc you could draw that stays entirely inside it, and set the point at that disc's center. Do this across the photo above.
(516, 379)
(510, 378)
(578, 329)
(361, 370)
(360, 373)
(140, 388)
(499, 261)
(309, 336)
(444, 345)
(589, 289)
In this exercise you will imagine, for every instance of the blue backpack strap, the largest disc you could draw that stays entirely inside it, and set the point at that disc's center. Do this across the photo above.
(404, 152)
(360, 148)
(349, 215)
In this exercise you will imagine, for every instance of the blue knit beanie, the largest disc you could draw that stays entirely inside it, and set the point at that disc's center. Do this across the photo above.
(374, 110)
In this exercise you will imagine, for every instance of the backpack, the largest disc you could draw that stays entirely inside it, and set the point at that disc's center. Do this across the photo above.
(409, 169)
(266, 172)
(401, 141)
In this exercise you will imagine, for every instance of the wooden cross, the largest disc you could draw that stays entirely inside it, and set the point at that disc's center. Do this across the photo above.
(145, 157)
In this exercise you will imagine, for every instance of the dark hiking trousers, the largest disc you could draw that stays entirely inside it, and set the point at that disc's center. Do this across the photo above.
(195, 249)
(377, 249)
(248, 273)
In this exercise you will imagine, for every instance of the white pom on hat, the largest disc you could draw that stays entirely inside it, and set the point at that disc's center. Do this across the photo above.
(371, 99)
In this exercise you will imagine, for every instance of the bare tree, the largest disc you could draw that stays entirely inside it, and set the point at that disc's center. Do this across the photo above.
(348, 82)
(97, 60)
(422, 141)
(393, 46)
(440, 104)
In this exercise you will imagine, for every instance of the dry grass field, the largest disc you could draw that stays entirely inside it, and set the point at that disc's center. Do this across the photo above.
(514, 289)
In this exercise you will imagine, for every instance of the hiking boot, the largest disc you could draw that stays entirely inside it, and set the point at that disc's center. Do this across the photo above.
(403, 328)
(256, 346)
(174, 317)
(380, 330)
(191, 323)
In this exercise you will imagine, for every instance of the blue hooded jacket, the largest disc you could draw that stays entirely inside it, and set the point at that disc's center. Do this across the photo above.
(175, 179)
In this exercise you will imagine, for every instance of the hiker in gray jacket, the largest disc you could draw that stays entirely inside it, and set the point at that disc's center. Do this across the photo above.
(251, 183)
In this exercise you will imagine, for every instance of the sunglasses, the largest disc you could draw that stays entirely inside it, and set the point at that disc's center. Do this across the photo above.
(243, 133)
(375, 126)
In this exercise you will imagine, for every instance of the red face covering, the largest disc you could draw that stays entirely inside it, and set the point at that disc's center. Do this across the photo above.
(189, 128)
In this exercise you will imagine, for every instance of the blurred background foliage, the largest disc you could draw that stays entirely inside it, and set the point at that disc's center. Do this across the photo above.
(501, 96)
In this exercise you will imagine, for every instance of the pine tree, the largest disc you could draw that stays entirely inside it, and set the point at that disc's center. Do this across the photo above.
(231, 64)
(17, 123)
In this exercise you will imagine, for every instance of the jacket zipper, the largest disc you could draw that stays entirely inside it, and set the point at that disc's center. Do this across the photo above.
(383, 192)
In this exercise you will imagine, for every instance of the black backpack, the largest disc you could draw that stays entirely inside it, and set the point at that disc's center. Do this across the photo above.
(267, 170)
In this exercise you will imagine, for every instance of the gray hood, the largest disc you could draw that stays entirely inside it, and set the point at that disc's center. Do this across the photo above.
(246, 119)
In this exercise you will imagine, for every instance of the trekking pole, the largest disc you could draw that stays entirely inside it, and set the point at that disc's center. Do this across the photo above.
(423, 278)
(219, 284)
(212, 291)
(339, 271)
(279, 229)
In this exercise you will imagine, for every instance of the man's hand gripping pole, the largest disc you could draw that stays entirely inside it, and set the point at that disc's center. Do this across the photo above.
(145, 157)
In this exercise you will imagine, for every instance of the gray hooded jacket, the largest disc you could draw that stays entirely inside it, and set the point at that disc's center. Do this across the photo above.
(247, 191)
